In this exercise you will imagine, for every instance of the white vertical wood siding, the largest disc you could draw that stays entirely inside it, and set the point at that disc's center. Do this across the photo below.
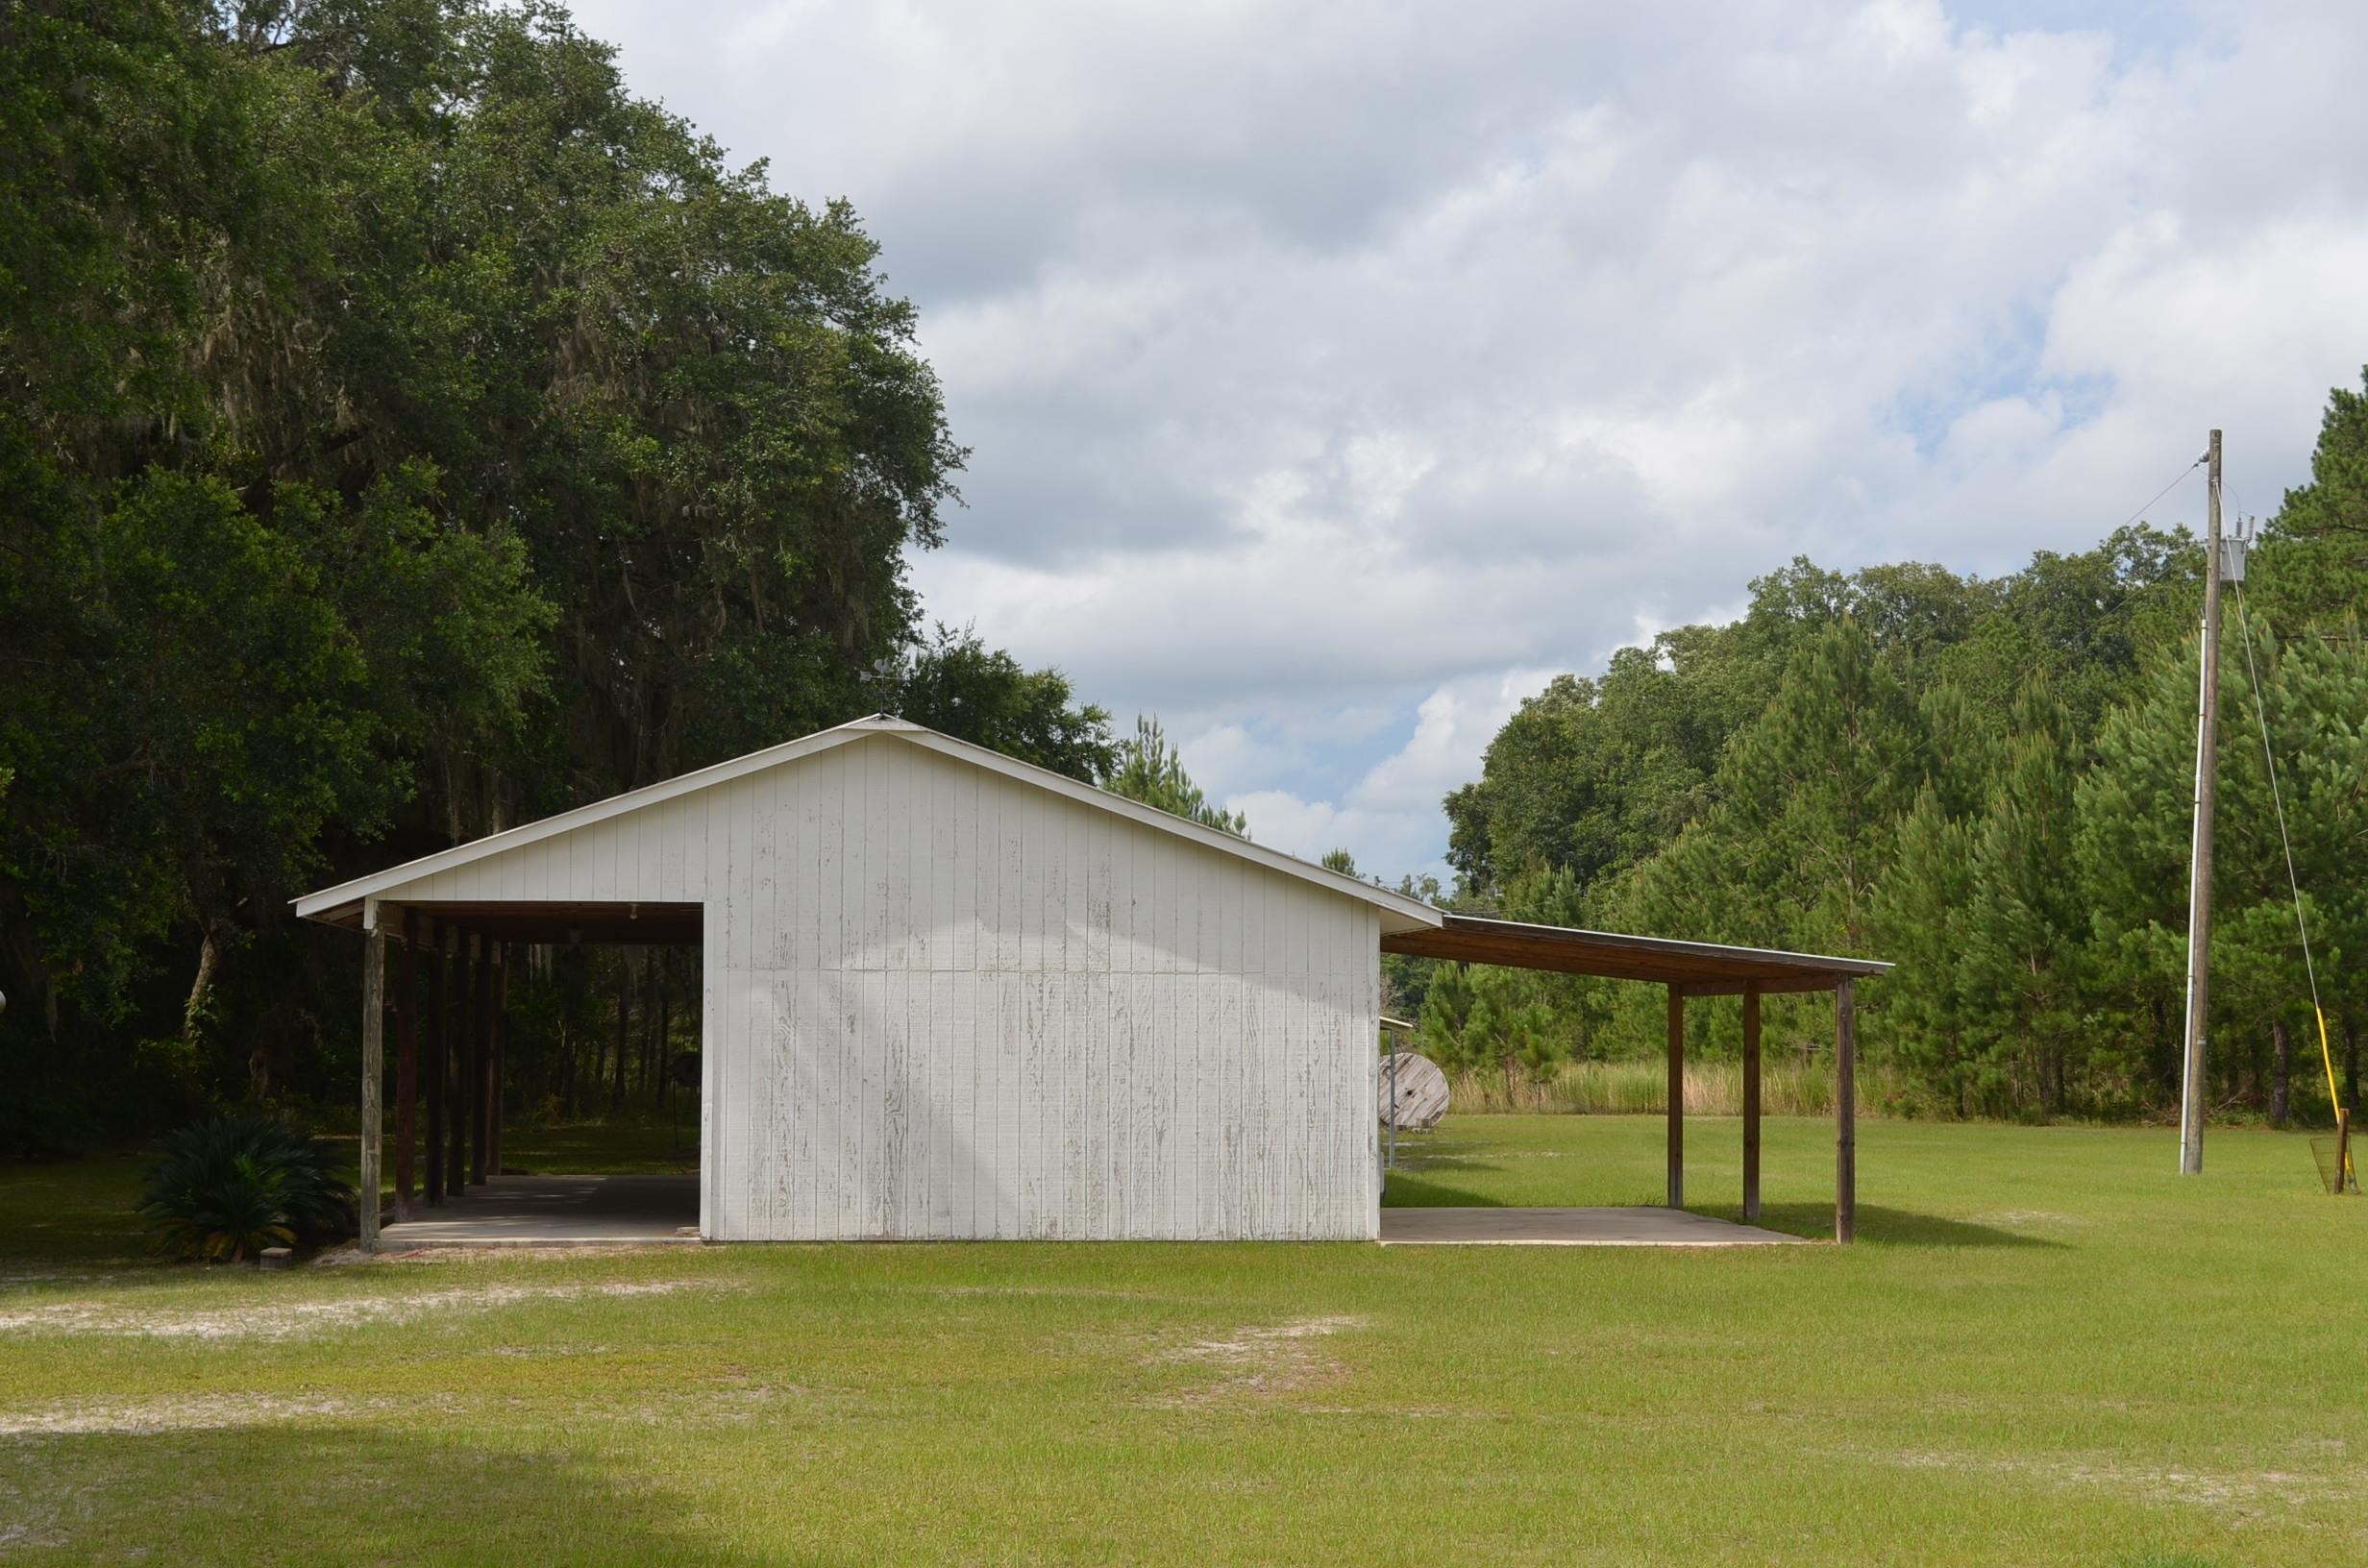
(945, 1003)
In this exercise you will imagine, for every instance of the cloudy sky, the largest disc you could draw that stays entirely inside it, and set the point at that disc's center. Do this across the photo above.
(1336, 372)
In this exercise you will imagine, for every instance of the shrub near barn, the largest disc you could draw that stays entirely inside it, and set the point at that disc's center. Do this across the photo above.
(227, 1188)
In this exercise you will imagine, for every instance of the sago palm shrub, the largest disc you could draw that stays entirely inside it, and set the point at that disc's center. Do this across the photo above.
(224, 1189)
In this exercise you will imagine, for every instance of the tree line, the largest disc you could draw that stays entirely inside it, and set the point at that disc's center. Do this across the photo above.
(1986, 781)
(405, 431)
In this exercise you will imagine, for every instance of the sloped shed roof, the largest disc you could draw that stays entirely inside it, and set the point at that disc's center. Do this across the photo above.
(1698, 968)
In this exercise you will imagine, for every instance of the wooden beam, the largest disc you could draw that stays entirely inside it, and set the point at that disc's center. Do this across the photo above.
(625, 1035)
(1677, 1097)
(1845, 1113)
(373, 1070)
(1787, 985)
(1564, 959)
(497, 1069)
(439, 1064)
(569, 923)
(407, 1071)
(1751, 1105)
(456, 1079)
(481, 1054)
(642, 923)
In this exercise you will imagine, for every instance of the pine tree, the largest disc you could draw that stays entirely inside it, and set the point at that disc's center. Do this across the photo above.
(1813, 791)
(1151, 769)
(1919, 925)
(2134, 812)
(1446, 1007)
(2025, 926)
(2316, 548)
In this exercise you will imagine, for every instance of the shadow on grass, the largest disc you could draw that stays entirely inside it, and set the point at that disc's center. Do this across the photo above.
(74, 1214)
(1405, 1189)
(232, 1495)
(1878, 1226)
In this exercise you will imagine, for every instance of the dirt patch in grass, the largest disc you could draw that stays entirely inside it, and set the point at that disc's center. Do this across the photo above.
(292, 1320)
(2239, 1495)
(344, 1256)
(1262, 1362)
(2026, 1220)
(1082, 1291)
(195, 1412)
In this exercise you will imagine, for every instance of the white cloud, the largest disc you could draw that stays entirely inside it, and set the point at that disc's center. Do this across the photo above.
(1386, 817)
(1334, 371)
(1455, 725)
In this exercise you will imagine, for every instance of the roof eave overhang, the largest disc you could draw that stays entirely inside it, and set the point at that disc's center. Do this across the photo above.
(1696, 968)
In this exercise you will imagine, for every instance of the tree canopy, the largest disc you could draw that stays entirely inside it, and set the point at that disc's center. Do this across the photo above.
(404, 431)
(1986, 781)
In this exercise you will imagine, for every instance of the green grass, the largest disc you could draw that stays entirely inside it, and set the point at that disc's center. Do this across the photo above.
(656, 1144)
(2047, 1349)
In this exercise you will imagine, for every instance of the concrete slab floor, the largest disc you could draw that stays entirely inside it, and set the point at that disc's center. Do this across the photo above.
(638, 1211)
(1635, 1227)
(556, 1212)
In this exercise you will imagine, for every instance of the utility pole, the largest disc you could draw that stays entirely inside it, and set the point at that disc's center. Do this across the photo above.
(2191, 1085)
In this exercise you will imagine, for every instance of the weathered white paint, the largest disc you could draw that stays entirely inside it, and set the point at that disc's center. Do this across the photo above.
(944, 999)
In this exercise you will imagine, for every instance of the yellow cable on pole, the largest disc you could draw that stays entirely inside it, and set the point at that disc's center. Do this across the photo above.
(2345, 1175)
(2328, 1056)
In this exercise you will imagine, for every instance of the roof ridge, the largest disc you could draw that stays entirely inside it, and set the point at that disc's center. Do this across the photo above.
(319, 903)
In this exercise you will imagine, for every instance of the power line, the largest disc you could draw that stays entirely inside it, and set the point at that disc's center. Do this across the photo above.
(2165, 490)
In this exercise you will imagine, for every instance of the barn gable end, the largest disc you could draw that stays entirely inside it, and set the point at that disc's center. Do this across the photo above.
(944, 999)
(954, 1005)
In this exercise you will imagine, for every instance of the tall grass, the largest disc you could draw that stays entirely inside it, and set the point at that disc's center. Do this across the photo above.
(1712, 1088)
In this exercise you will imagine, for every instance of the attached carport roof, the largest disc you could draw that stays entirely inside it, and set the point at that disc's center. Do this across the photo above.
(1696, 968)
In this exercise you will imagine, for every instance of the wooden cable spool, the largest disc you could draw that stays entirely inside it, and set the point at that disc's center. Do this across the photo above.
(1422, 1091)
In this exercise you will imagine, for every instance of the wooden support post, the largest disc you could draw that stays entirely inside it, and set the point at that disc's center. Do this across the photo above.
(407, 1071)
(373, 1071)
(457, 1080)
(481, 1054)
(496, 1071)
(665, 1024)
(1845, 1112)
(625, 1029)
(1677, 1098)
(1751, 1103)
(439, 1064)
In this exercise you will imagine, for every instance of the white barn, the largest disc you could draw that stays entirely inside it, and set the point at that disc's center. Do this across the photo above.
(949, 995)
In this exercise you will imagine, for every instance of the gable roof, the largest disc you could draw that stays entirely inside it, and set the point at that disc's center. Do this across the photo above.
(1398, 912)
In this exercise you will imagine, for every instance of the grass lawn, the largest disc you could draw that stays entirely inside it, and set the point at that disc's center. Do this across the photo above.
(2046, 1349)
